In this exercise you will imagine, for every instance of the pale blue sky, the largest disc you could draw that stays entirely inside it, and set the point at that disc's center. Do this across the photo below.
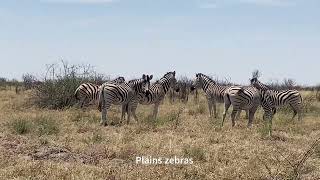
(224, 38)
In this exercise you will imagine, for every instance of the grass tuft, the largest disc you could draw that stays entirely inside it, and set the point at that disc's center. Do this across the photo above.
(46, 125)
(196, 153)
(21, 126)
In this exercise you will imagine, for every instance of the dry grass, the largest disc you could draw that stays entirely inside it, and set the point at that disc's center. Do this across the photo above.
(70, 144)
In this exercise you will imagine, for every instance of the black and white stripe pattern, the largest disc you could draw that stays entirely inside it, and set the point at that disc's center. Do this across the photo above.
(88, 93)
(122, 94)
(157, 92)
(282, 98)
(247, 98)
(214, 92)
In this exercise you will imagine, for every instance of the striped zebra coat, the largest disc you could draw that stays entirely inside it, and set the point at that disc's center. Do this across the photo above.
(247, 98)
(282, 98)
(214, 92)
(122, 94)
(88, 93)
(157, 92)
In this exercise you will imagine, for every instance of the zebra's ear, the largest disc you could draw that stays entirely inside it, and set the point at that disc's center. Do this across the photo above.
(150, 77)
(174, 73)
(143, 76)
(197, 75)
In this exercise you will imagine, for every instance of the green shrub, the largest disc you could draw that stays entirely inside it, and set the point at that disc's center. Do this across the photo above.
(57, 91)
(21, 126)
(46, 125)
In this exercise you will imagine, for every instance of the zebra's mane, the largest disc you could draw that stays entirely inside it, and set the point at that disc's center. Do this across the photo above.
(207, 78)
(134, 80)
(168, 73)
(262, 86)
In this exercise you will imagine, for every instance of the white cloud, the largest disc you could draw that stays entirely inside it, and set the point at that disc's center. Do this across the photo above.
(79, 1)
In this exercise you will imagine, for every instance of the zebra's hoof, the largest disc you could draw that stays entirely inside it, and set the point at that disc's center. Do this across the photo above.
(103, 124)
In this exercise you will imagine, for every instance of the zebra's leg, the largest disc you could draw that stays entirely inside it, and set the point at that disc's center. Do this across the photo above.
(215, 109)
(133, 111)
(233, 115)
(238, 115)
(82, 102)
(294, 112)
(129, 113)
(300, 113)
(103, 116)
(247, 114)
(252, 111)
(210, 107)
(226, 107)
(155, 111)
(123, 113)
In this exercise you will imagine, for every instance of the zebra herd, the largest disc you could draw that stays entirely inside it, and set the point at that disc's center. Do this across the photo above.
(141, 91)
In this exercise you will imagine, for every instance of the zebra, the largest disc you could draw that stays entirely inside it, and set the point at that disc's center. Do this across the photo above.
(214, 92)
(247, 98)
(157, 92)
(282, 98)
(124, 94)
(88, 92)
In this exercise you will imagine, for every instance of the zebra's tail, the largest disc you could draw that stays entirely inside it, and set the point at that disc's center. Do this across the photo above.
(101, 98)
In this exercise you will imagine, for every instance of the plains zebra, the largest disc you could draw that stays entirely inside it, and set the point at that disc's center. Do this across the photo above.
(157, 92)
(247, 98)
(88, 92)
(122, 94)
(214, 92)
(281, 98)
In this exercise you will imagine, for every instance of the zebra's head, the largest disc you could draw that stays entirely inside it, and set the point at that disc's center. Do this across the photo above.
(146, 84)
(120, 79)
(197, 82)
(169, 81)
(257, 84)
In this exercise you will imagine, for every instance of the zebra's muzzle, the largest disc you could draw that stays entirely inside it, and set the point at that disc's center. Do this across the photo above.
(192, 88)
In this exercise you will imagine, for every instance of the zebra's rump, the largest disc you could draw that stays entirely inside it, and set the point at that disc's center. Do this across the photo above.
(243, 97)
(287, 97)
(87, 90)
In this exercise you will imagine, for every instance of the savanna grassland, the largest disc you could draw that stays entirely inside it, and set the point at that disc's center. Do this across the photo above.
(70, 144)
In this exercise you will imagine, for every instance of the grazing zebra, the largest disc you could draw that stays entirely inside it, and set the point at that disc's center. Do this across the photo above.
(281, 98)
(88, 92)
(214, 92)
(122, 94)
(247, 98)
(157, 92)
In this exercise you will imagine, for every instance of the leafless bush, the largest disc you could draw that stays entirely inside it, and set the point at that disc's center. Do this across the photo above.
(290, 167)
(29, 81)
(60, 82)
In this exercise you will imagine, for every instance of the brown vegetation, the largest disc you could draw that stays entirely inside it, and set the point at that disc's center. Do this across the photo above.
(70, 144)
